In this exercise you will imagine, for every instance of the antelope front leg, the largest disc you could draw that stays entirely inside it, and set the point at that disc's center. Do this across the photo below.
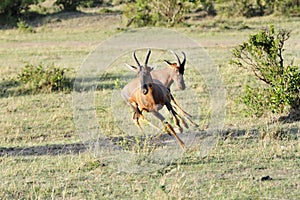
(137, 114)
(169, 128)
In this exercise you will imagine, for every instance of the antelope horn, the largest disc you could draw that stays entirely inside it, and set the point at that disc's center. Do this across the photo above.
(136, 60)
(184, 59)
(147, 57)
(176, 56)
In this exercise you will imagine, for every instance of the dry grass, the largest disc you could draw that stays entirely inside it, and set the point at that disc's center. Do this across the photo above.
(58, 167)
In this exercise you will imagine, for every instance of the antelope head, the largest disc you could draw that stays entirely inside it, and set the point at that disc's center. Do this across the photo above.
(143, 72)
(177, 70)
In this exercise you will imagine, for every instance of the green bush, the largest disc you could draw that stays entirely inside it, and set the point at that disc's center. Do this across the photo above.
(139, 13)
(252, 8)
(43, 79)
(23, 26)
(246, 8)
(13, 9)
(156, 12)
(279, 86)
(287, 7)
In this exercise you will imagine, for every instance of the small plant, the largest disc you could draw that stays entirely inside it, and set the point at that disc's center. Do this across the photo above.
(23, 26)
(40, 78)
(279, 85)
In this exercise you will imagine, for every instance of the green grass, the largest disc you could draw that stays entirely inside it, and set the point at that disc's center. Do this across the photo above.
(233, 169)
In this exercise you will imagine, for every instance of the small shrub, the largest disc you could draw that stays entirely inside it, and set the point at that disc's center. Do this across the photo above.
(43, 79)
(166, 12)
(23, 26)
(279, 88)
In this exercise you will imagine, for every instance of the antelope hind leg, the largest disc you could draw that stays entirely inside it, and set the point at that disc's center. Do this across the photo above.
(175, 104)
(184, 113)
(176, 116)
(168, 128)
(171, 130)
(183, 121)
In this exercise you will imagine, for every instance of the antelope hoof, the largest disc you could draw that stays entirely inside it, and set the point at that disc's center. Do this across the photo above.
(180, 129)
(196, 125)
(185, 124)
(137, 123)
(134, 116)
(171, 130)
(166, 130)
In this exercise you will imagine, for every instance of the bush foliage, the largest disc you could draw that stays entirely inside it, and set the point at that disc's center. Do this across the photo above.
(171, 12)
(161, 12)
(279, 88)
(252, 8)
(15, 8)
(148, 12)
(43, 79)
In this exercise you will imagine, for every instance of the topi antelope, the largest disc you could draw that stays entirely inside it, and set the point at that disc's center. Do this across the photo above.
(173, 73)
(167, 76)
(146, 94)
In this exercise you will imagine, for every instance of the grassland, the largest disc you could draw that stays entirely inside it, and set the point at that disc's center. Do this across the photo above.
(42, 156)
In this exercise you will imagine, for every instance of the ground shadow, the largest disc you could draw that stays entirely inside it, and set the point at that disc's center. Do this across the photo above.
(35, 19)
(54, 149)
(9, 88)
(292, 116)
(124, 142)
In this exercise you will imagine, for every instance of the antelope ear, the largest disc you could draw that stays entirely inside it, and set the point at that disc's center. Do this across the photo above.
(168, 62)
(171, 65)
(133, 68)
